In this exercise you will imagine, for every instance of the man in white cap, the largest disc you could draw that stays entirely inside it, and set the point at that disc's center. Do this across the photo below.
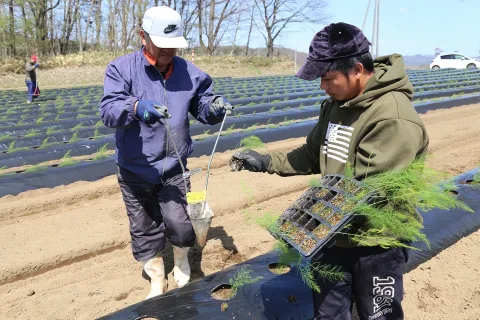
(138, 90)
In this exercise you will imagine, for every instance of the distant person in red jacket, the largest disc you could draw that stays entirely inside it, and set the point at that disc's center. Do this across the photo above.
(31, 66)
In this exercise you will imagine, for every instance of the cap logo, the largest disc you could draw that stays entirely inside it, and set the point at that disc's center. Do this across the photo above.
(170, 28)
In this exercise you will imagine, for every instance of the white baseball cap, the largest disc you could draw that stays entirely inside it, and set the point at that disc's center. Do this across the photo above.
(164, 25)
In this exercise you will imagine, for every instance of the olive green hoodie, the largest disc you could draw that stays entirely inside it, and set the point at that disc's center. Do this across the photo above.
(374, 132)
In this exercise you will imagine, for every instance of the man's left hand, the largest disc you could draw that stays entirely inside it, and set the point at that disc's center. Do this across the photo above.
(220, 106)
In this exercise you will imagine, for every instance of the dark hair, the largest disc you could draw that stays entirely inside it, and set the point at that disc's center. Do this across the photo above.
(147, 36)
(346, 65)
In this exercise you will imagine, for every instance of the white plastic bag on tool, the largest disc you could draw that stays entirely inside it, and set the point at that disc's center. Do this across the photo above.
(197, 207)
(201, 217)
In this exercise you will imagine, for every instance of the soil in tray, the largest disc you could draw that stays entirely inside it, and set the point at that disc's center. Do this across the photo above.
(335, 218)
(287, 227)
(347, 206)
(321, 231)
(337, 200)
(308, 245)
(361, 193)
(322, 193)
(325, 213)
(299, 236)
(347, 186)
(317, 207)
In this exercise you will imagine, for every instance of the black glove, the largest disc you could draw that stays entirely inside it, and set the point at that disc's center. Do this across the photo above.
(150, 111)
(249, 160)
(220, 106)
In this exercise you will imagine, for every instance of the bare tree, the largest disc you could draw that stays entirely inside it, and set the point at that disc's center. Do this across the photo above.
(240, 20)
(12, 29)
(212, 16)
(252, 17)
(98, 23)
(88, 22)
(79, 25)
(276, 15)
(40, 9)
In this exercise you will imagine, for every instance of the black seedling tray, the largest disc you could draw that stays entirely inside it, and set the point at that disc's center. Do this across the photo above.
(320, 213)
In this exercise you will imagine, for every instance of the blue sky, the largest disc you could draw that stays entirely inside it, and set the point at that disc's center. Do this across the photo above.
(406, 26)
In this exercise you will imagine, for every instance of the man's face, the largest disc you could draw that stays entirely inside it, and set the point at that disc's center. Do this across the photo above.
(339, 86)
(164, 56)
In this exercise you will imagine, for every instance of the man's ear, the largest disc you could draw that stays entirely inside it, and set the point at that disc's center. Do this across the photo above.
(142, 37)
(358, 70)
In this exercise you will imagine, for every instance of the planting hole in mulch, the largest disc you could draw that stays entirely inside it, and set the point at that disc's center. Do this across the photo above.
(454, 192)
(279, 268)
(292, 299)
(470, 182)
(321, 231)
(147, 318)
(308, 245)
(223, 292)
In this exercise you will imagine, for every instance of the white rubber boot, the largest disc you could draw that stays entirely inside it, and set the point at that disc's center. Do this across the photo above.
(156, 271)
(181, 268)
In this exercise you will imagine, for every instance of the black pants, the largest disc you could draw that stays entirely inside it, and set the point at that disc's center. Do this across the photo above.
(373, 279)
(155, 212)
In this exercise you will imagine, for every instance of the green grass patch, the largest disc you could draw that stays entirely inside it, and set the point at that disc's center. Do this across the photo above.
(102, 153)
(243, 277)
(251, 142)
(74, 137)
(78, 127)
(67, 160)
(32, 134)
(6, 137)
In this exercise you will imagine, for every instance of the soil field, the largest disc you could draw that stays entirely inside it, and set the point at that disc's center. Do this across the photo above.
(66, 251)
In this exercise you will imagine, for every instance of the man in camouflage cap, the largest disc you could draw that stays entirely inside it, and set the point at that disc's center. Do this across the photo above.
(370, 123)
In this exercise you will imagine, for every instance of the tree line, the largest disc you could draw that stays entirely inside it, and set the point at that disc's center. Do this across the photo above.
(58, 27)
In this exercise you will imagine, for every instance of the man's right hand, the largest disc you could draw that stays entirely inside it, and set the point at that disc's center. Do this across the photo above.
(149, 111)
(250, 160)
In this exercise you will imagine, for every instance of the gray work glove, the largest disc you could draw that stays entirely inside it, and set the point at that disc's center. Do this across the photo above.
(220, 106)
(150, 111)
(250, 160)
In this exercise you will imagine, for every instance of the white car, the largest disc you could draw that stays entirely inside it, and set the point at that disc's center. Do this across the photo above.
(454, 60)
